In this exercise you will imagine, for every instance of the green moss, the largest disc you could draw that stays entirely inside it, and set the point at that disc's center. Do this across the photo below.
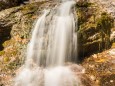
(33, 6)
(83, 4)
(12, 53)
(85, 15)
(29, 15)
(87, 26)
(6, 59)
(2, 53)
(8, 43)
(113, 45)
(105, 22)
(81, 18)
(13, 65)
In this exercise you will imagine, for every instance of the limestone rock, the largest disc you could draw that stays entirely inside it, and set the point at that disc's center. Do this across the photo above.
(94, 29)
(15, 32)
(4, 4)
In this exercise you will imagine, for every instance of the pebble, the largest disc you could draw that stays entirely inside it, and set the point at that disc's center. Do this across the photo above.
(111, 81)
(94, 56)
(92, 66)
(92, 77)
(112, 52)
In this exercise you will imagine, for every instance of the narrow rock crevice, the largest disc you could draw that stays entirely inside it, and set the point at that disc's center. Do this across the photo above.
(4, 35)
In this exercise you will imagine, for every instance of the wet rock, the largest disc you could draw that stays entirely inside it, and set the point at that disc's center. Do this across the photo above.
(32, 1)
(4, 4)
(94, 29)
(108, 80)
(15, 32)
(107, 6)
(103, 70)
(112, 37)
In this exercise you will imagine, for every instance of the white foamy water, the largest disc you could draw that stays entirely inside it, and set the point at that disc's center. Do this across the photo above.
(60, 76)
(51, 46)
(35, 47)
(61, 35)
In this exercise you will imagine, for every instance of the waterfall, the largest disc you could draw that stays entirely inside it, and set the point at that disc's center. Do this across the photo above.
(50, 47)
(38, 42)
(61, 35)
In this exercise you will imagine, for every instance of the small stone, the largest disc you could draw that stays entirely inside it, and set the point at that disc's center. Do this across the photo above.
(111, 81)
(92, 77)
(94, 56)
(91, 66)
(97, 81)
(112, 52)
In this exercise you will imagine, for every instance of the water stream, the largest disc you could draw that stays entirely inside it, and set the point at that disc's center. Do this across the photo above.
(51, 46)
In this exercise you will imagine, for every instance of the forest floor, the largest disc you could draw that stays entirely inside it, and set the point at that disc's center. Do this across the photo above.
(100, 67)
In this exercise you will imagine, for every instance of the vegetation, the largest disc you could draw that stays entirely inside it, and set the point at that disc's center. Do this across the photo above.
(94, 29)
(105, 22)
(83, 4)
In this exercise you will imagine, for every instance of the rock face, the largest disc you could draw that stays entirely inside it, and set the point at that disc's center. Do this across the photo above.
(9, 3)
(108, 6)
(16, 27)
(15, 30)
(31, 1)
(94, 29)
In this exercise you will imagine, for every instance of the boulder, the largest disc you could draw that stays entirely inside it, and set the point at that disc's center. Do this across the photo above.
(15, 32)
(31, 1)
(4, 4)
(94, 30)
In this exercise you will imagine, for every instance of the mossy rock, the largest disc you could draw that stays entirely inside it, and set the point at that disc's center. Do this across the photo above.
(5, 4)
(2, 53)
(16, 26)
(82, 3)
(6, 59)
(94, 31)
(105, 23)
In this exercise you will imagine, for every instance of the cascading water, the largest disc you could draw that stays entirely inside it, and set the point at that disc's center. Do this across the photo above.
(50, 47)
(61, 35)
